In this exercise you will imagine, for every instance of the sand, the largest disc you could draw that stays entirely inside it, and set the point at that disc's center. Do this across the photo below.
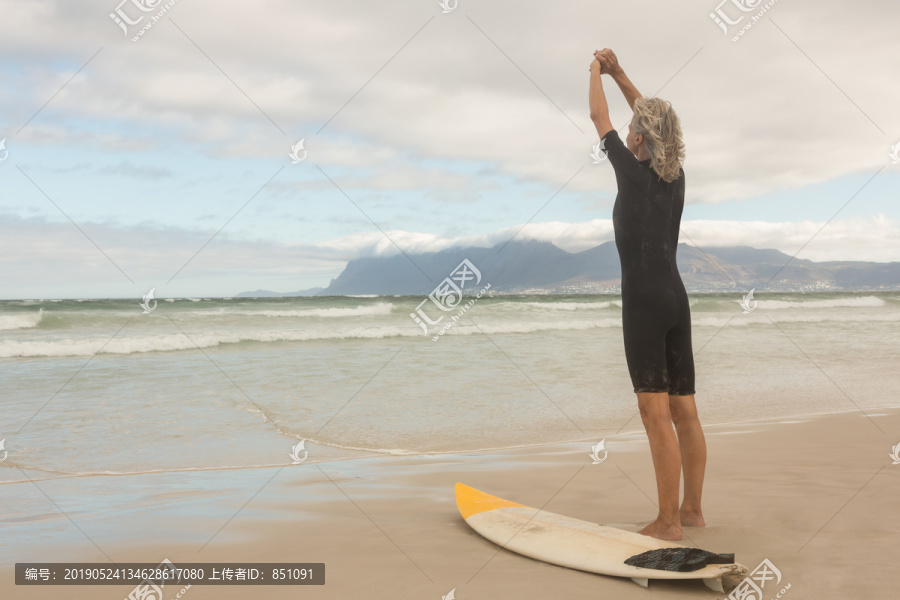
(817, 496)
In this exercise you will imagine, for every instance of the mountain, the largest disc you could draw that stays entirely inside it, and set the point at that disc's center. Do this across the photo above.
(536, 267)
(267, 294)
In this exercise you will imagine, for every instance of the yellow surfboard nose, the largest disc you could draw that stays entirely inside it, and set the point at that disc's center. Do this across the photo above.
(470, 501)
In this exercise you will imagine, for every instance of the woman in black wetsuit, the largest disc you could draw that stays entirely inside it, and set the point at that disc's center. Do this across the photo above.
(656, 317)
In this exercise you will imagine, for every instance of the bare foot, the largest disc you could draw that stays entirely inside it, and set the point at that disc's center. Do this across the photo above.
(662, 530)
(692, 518)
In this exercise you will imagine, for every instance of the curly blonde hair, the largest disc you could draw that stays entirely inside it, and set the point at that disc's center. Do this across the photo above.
(656, 120)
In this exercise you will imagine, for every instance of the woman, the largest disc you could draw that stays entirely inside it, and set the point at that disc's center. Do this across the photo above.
(656, 317)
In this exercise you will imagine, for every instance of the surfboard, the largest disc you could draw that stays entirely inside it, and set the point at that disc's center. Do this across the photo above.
(574, 543)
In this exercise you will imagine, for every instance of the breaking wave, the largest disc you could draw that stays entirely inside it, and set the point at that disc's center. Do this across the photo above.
(21, 321)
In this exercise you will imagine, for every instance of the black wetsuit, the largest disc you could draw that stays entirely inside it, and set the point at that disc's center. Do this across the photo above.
(656, 316)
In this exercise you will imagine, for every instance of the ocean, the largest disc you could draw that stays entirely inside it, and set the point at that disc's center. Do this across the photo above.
(97, 388)
(125, 391)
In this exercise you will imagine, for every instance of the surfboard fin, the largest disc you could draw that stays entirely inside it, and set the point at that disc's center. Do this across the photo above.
(714, 583)
(641, 581)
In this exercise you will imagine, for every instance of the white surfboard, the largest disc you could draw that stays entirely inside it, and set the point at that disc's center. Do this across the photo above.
(573, 543)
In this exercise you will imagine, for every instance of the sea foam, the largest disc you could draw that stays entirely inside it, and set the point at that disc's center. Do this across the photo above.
(21, 320)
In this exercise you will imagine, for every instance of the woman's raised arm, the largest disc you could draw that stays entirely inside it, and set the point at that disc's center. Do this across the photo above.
(597, 101)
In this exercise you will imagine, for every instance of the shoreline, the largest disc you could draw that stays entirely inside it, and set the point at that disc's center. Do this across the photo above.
(374, 454)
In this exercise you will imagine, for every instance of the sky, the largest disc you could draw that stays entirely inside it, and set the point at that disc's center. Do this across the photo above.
(163, 160)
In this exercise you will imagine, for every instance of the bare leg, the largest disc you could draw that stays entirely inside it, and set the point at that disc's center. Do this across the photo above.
(693, 457)
(666, 462)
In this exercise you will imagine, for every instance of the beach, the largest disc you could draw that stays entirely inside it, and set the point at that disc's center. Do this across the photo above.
(180, 440)
(816, 496)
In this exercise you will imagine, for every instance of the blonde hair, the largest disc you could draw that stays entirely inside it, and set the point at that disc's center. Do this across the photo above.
(656, 120)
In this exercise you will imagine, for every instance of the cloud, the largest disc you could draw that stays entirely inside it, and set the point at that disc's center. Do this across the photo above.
(42, 258)
(875, 238)
(758, 115)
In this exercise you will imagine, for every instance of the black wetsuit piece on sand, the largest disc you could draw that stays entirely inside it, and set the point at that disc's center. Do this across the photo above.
(656, 316)
(683, 560)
